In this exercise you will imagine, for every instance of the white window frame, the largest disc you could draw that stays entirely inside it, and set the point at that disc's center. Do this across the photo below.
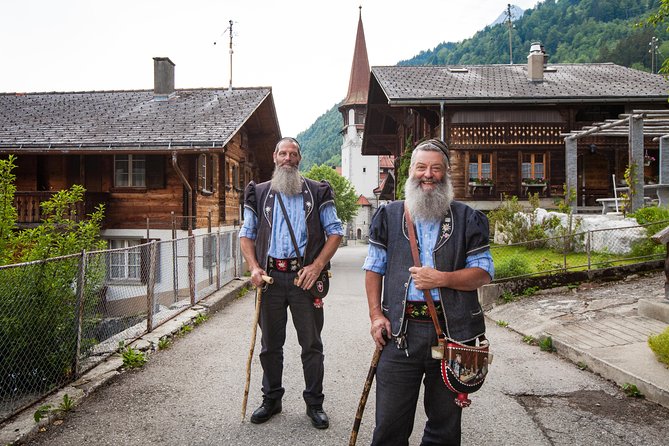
(133, 169)
(125, 262)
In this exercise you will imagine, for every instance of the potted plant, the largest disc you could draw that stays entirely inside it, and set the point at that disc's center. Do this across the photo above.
(480, 181)
(534, 181)
(647, 159)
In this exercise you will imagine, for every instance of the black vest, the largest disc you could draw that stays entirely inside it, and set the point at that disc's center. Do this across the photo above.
(260, 200)
(463, 231)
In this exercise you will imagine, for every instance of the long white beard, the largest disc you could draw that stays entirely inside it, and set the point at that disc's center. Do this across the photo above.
(287, 180)
(430, 205)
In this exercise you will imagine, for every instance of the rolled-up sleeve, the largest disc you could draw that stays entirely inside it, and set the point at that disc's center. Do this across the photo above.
(376, 260)
(331, 223)
(481, 260)
(250, 227)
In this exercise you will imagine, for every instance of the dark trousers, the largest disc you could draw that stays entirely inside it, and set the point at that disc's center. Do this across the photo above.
(308, 322)
(398, 380)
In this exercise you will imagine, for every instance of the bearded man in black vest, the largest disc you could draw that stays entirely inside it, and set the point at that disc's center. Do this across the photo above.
(268, 248)
(455, 260)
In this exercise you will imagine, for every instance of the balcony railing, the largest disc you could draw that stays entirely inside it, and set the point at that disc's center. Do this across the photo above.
(29, 211)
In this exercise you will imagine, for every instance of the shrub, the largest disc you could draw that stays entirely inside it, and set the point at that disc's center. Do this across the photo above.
(515, 266)
(504, 213)
(660, 346)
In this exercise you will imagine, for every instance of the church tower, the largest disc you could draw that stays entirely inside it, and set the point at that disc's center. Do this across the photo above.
(361, 171)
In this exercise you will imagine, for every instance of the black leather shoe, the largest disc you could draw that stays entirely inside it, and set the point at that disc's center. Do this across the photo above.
(318, 416)
(267, 409)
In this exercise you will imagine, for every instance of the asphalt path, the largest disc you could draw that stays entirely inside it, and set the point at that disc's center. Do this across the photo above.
(191, 393)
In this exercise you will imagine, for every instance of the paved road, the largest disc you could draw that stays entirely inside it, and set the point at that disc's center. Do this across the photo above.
(191, 393)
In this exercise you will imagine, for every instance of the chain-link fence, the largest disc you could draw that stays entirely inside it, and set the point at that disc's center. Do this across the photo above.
(60, 317)
(580, 251)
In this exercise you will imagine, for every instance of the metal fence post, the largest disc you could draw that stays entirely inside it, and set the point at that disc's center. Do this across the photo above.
(81, 284)
(233, 244)
(588, 246)
(175, 266)
(191, 268)
(150, 286)
(218, 259)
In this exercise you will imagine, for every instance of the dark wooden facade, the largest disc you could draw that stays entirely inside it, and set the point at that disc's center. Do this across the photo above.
(162, 200)
(497, 139)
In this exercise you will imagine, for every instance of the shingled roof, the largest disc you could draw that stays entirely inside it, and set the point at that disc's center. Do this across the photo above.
(472, 84)
(79, 121)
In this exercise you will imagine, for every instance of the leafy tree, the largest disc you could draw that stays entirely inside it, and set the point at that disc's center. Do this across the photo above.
(345, 195)
(39, 315)
(7, 210)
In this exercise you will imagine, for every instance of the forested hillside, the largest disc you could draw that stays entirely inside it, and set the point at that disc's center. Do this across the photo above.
(572, 31)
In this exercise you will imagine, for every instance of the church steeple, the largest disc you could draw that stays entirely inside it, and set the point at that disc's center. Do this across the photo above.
(358, 85)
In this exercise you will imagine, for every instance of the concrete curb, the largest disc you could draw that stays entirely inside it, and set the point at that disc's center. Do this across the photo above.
(612, 372)
(22, 426)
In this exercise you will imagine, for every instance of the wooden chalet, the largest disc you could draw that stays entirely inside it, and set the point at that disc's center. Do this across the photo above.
(152, 157)
(506, 124)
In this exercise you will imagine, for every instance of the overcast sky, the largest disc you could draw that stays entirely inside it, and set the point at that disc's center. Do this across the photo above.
(303, 49)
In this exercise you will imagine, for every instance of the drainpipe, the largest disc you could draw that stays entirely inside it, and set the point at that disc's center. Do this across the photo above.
(189, 206)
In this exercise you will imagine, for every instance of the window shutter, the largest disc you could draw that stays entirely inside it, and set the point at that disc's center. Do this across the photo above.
(155, 172)
(201, 172)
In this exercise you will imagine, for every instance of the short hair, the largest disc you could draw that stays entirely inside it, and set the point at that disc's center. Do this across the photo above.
(432, 145)
(288, 139)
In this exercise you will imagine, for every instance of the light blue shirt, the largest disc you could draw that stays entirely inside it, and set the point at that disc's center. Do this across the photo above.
(426, 235)
(281, 245)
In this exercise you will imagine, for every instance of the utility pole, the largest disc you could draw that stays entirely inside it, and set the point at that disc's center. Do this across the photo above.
(653, 53)
(230, 28)
(509, 23)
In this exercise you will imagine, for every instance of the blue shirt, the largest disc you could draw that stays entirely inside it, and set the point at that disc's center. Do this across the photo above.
(281, 245)
(426, 235)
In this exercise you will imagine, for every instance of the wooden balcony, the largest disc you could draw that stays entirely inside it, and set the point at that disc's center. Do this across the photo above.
(29, 211)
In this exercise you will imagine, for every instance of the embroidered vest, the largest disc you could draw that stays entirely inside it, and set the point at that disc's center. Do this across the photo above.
(260, 199)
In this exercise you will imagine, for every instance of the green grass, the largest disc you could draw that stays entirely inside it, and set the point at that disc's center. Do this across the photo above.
(545, 259)
(659, 344)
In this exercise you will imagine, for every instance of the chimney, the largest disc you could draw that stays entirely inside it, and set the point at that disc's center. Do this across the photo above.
(163, 78)
(536, 61)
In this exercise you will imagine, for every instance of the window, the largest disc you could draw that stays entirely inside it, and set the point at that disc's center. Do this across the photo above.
(129, 171)
(126, 262)
(533, 166)
(480, 166)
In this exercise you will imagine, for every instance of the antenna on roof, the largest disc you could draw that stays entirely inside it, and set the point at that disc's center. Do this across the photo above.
(509, 22)
(229, 29)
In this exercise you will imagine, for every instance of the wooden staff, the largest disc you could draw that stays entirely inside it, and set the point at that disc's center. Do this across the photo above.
(269, 280)
(363, 397)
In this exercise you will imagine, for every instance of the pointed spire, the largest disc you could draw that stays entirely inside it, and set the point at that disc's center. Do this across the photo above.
(358, 84)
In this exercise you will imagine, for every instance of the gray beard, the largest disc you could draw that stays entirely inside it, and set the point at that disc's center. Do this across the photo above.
(429, 205)
(287, 180)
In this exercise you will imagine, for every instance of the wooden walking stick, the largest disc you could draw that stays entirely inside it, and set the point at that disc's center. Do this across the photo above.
(269, 280)
(363, 397)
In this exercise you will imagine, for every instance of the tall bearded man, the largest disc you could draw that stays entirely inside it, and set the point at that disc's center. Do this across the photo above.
(455, 260)
(267, 246)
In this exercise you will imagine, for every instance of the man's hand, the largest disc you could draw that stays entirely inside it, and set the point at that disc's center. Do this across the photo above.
(307, 276)
(256, 276)
(426, 278)
(380, 330)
